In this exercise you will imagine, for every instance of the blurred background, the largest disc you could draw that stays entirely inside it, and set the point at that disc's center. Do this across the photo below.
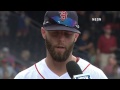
(21, 43)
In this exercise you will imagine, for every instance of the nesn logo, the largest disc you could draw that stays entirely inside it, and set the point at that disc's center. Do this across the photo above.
(96, 19)
(83, 77)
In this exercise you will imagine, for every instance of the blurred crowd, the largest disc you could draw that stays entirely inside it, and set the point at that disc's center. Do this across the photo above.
(21, 43)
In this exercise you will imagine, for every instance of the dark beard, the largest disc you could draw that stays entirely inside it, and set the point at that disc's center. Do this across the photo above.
(58, 56)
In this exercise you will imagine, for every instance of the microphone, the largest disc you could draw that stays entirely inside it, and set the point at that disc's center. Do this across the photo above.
(75, 71)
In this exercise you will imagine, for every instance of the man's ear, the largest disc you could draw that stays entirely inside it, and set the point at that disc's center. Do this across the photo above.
(76, 37)
(43, 32)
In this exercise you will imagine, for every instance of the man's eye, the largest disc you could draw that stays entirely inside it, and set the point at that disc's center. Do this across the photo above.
(68, 33)
(54, 33)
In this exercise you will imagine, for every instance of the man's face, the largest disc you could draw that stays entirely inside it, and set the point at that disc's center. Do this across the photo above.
(107, 31)
(60, 44)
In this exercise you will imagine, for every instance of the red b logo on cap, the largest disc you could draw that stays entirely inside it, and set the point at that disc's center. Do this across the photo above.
(63, 15)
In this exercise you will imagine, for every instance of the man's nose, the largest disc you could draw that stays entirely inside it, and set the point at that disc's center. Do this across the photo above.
(61, 36)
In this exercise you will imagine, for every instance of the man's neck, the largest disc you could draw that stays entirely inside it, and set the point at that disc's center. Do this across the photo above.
(107, 36)
(58, 68)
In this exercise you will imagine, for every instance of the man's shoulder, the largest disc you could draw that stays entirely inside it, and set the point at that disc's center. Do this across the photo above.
(29, 72)
(102, 37)
(83, 63)
(94, 71)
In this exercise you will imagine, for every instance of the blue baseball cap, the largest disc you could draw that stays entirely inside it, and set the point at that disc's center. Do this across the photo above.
(61, 20)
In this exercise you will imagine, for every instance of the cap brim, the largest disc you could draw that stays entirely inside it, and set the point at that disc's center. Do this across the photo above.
(60, 27)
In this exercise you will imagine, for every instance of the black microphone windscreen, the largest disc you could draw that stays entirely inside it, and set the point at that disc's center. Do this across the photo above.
(73, 68)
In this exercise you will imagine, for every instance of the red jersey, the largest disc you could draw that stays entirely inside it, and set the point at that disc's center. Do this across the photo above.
(104, 44)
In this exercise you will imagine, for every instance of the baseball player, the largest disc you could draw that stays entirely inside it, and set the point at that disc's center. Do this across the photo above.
(60, 31)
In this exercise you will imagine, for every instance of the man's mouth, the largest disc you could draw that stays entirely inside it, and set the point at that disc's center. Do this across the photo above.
(60, 48)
